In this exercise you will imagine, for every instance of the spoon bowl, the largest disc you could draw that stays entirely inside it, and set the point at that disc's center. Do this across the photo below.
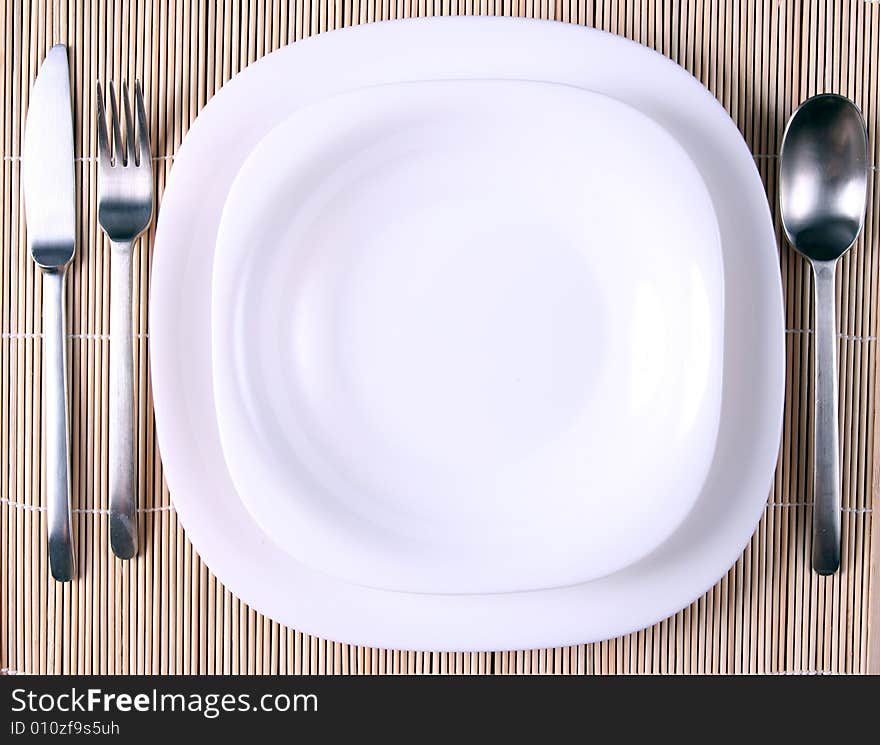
(823, 177)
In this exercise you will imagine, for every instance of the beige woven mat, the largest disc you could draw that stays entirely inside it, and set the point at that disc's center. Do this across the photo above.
(165, 612)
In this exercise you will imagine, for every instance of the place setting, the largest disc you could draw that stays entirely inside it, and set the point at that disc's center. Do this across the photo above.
(476, 344)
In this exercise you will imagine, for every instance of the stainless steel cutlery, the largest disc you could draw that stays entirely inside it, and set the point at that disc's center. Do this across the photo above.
(823, 190)
(125, 208)
(48, 179)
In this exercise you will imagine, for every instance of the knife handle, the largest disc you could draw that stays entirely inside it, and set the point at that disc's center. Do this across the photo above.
(123, 516)
(54, 383)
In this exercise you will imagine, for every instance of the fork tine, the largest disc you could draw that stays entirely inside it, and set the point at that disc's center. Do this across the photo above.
(103, 144)
(119, 152)
(130, 151)
(145, 155)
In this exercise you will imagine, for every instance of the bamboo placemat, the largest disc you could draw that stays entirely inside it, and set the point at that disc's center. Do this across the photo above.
(165, 612)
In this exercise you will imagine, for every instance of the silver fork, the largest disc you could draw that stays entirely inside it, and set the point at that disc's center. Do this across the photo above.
(125, 208)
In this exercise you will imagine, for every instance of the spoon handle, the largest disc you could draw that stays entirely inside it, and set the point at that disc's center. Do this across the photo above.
(826, 455)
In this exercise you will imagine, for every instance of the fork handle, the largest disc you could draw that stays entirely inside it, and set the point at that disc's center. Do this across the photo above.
(54, 382)
(123, 516)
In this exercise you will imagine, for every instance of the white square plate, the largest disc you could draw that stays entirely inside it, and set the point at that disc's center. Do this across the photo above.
(467, 335)
(221, 528)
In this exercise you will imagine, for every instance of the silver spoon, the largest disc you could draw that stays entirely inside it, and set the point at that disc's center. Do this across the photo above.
(823, 191)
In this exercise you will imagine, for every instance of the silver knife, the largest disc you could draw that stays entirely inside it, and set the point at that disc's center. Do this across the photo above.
(48, 179)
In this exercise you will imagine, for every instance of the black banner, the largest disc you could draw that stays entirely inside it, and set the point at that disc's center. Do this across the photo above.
(140, 709)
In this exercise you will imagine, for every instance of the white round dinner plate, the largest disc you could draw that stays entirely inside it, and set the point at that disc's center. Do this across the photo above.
(467, 335)
(274, 581)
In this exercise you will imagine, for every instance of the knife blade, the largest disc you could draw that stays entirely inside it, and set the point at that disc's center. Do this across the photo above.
(49, 194)
(47, 164)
